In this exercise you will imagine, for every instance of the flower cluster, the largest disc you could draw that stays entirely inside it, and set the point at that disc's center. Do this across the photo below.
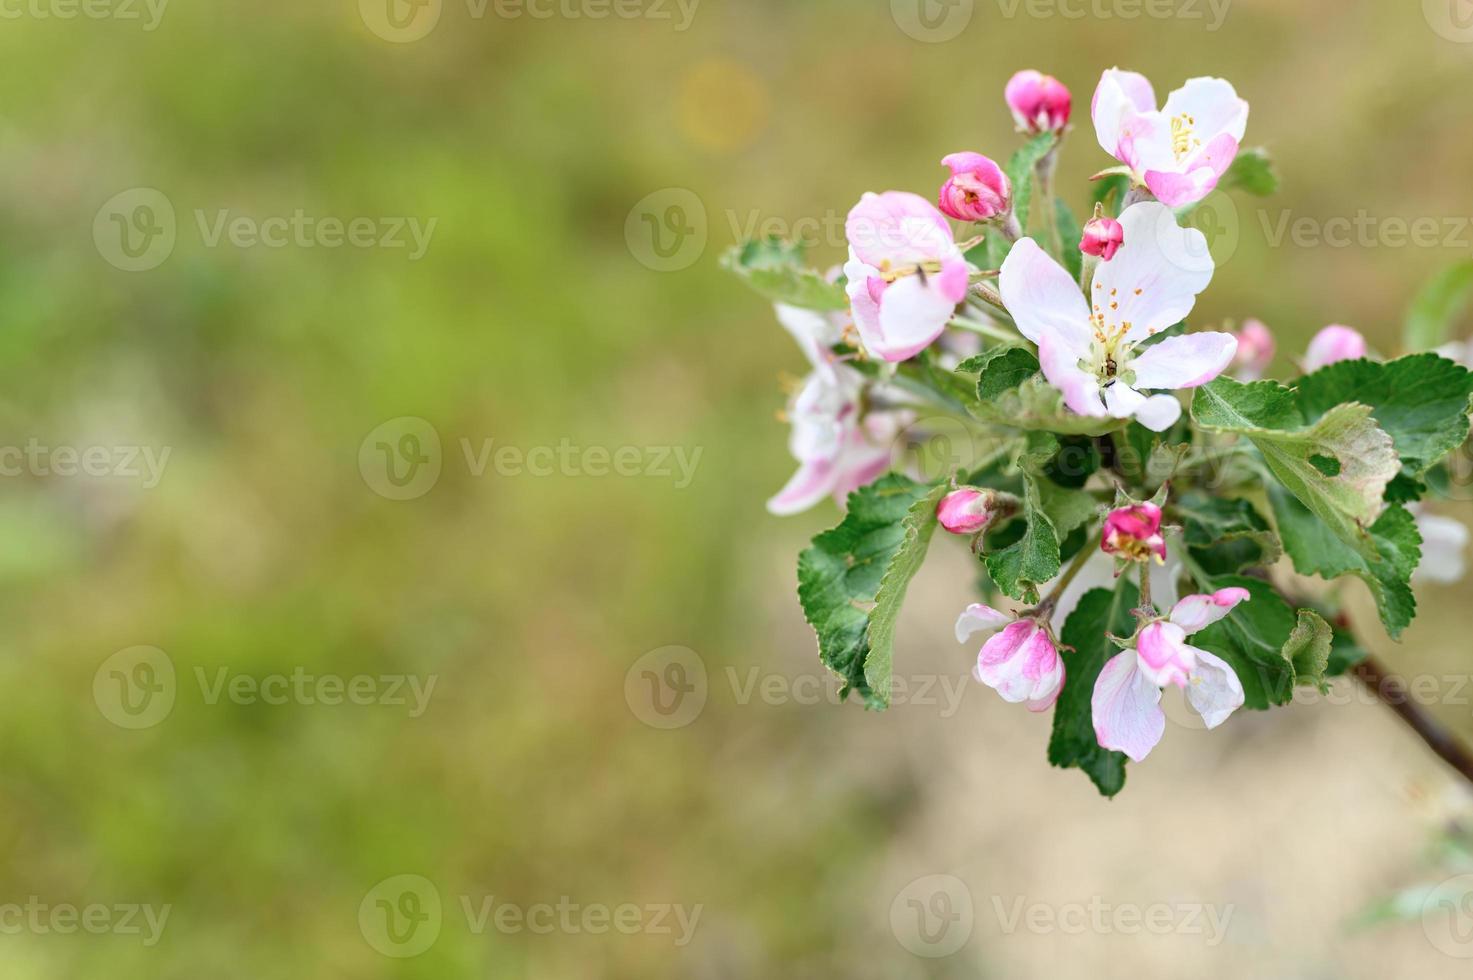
(1119, 459)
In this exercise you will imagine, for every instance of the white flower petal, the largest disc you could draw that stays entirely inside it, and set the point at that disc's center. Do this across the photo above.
(1213, 689)
(1127, 708)
(1185, 362)
(1043, 298)
(1153, 281)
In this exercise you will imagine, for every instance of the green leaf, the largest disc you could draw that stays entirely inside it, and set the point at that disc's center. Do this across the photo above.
(1345, 654)
(841, 574)
(999, 370)
(919, 525)
(1070, 233)
(1308, 649)
(1421, 401)
(1255, 641)
(1252, 171)
(1435, 311)
(775, 269)
(1396, 550)
(1050, 512)
(1226, 536)
(1338, 467)
(1073, 744)
(1020, 173)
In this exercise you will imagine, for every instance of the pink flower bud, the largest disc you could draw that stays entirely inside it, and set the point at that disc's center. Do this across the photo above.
(977, 190)
(1134, 533)
(1039, 103)
(1332, 344)
(1256, 349)
(1103, 237)
(968, 510)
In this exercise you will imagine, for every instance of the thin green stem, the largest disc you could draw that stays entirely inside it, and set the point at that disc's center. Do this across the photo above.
(988, 330)
(1070, 574)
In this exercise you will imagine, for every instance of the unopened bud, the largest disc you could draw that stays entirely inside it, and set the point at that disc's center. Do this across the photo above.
(1039, 103)
(1134, 533)
(978, 189)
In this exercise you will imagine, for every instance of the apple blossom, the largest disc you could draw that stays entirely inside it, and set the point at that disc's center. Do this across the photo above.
(1103, 236)
(1333, 344)
(1134, 533)
(1180, 151)
(1444, 548)
(1019, 660)
(1256, 349)
(969, 510)
(977, 189)
(1039, 103)
(1092, 351)
(1126, 704)
(905, 273)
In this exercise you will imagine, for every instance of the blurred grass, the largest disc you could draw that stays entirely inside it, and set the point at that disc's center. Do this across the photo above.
(528, 321)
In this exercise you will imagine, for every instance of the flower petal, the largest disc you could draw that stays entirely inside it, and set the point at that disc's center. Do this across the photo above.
(1153, 281)
(1120, 97)
(1197, 612)
(898, 228)
(813, 481)
(1127, 708)
(1060, 365)
(913, 313)
(978, 617)
(1164, 655)
(1043, 298)
(1213, 106)
(1185, 362)
(1213, 688)
(1444, 547)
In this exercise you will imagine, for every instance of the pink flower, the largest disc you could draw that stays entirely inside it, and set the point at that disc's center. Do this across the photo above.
(1256, 349)
(1090, 350)
(968, 510)
(1178, 152)
(1333, 344)
(978, 189)
(1103, 237)
(1040, 103)
(1127, 697)
(1019, 660)
(906, 275)
(1134, 533)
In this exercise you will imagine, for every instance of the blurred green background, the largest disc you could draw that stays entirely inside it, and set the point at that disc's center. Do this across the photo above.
(541, 607)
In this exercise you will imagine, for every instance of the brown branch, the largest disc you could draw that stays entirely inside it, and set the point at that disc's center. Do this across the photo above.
(1390, 691)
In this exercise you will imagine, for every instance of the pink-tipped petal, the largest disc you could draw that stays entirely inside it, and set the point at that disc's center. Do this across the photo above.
(1127, 708)
(813, 482)
(978, 618)
(1213, 689)
(1164, 655)
(898, 228)
(913, 313)
(1121, 98)
(1197, 612)
(1185, 362)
